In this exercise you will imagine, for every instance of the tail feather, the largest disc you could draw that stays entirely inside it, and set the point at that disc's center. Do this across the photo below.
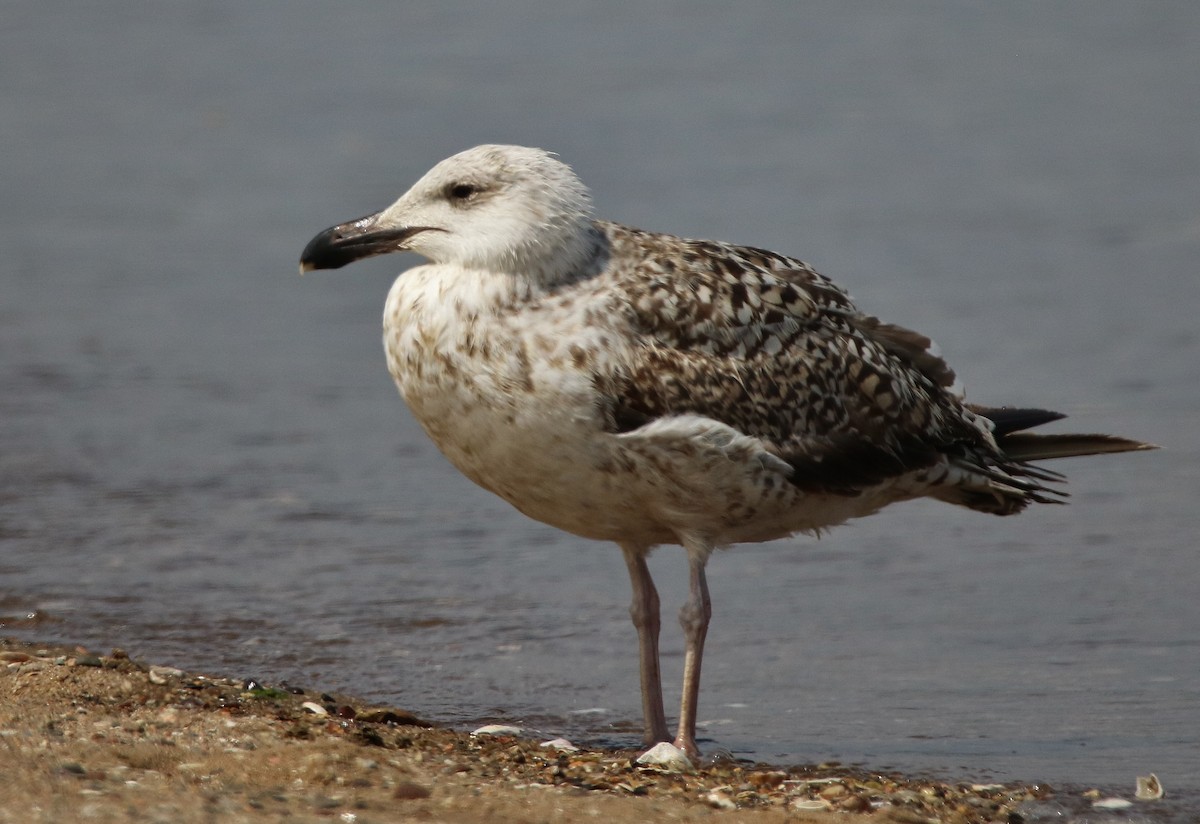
(1007, 483)
(1009, 425)
(1025, 446)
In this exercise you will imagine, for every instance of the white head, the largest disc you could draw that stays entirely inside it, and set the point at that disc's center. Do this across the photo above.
(502, 208)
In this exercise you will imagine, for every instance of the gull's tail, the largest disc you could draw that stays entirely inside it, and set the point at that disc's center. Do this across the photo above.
(1009, 484)
(1019, 445)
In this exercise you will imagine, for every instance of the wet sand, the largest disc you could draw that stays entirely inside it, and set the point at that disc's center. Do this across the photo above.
(85, 736)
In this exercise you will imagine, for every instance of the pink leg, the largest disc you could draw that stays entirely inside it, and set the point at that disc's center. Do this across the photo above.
(644, 612)
(694, 618)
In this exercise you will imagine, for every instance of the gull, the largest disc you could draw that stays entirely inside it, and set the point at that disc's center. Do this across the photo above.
(647, 389)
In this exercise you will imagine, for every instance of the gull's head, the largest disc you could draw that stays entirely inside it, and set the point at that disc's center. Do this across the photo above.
(503, 208)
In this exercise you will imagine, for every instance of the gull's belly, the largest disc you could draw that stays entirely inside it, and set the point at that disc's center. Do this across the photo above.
(549, 459)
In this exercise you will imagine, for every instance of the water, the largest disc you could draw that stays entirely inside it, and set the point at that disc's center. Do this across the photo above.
(204, 461)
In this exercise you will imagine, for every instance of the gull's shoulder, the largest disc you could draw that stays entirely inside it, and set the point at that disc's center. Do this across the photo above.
(733, 300)
(716, 279)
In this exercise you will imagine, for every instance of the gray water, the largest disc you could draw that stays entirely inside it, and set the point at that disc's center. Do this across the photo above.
(204, 461)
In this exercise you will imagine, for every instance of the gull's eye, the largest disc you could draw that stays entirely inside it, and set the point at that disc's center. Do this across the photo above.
(461, 192)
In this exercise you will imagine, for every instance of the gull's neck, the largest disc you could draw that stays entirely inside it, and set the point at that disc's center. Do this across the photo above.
(556, 259)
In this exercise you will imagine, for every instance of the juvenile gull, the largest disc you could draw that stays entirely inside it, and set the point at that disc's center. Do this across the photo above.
(647, 389)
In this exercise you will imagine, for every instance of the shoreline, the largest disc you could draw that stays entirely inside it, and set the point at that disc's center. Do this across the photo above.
(110, 738)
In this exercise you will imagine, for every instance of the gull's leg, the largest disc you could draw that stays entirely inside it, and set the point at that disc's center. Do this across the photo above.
(644, 612)
(694, 618)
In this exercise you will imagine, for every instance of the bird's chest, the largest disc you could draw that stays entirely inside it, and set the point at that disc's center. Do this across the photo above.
(497, 400)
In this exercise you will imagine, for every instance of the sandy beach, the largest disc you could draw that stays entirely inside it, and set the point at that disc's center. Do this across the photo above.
(103, 737)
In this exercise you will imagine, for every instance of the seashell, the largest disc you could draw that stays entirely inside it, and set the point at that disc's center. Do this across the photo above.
(1149, 788)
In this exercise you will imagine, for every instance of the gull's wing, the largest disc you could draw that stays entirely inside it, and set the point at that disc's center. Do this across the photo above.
(768, 346)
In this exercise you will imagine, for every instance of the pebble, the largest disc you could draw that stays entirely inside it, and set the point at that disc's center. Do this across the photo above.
(718, 800)
(667, 757)
(163, 675)
(906, 816)
(410, 791)
(853, 804)
(833, 791)
(497, 729)
(560, 744)
(385, 715)
(767, 779)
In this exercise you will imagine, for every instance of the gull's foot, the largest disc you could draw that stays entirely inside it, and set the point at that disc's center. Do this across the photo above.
(687, 745)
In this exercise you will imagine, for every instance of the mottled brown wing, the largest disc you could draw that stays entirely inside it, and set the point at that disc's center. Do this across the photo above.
(772, 348)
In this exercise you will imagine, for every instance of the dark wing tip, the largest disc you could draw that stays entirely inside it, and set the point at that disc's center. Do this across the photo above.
(1009, 419)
